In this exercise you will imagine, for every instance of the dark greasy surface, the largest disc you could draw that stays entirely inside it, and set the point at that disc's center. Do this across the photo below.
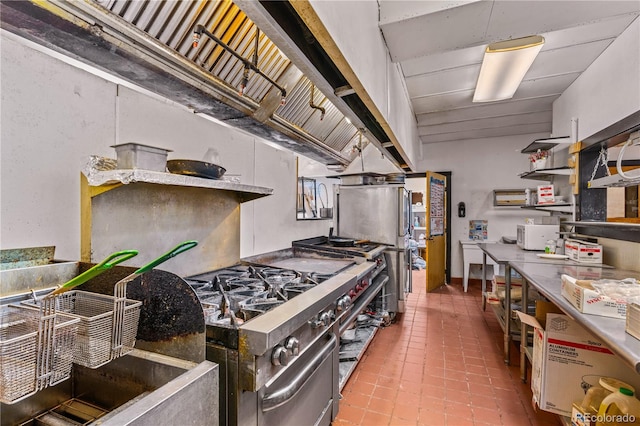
(170, 308)
(196, 168)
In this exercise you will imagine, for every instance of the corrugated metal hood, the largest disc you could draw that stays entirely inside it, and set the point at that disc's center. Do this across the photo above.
(150, 43)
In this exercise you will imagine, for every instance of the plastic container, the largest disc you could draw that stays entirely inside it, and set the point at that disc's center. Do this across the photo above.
(612, 385)
(618, 408)
(138, 156)
(593, 398)
(550, 247)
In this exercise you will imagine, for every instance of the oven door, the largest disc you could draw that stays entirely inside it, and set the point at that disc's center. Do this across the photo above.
(306, 393)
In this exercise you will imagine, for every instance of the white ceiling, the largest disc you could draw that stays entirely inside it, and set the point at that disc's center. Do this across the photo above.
(439, 46)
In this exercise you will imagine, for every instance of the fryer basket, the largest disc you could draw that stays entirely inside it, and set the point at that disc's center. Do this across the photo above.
(107, 328)
(95, 345)
(36, 350)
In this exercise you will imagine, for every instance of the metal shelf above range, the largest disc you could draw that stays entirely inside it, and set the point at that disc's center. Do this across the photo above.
(546, 174)
(98, 178)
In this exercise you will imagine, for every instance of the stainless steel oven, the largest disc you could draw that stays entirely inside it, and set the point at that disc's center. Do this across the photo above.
(305, 392)
(380, 213)
(273, 324)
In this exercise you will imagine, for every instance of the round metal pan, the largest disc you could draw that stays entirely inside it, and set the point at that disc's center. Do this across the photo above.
(342, 242)
(195, 168)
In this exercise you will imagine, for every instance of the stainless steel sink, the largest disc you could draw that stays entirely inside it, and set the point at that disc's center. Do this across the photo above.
(140, 388)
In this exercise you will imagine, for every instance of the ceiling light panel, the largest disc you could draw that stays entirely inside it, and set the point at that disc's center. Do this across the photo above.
(504, 65)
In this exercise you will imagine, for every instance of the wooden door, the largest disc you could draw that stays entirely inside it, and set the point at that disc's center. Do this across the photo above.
(436, 225)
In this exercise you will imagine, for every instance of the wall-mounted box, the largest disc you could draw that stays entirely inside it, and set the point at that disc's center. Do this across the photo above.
(509, 197)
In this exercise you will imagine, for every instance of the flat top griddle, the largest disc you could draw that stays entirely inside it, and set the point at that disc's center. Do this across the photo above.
(367, 249)
(304, 260)
(320, 266)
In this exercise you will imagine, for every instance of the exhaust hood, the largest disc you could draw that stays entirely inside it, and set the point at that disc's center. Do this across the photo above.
(151, 44)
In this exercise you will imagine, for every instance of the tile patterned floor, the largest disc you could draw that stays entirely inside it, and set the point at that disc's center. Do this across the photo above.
(440, 363)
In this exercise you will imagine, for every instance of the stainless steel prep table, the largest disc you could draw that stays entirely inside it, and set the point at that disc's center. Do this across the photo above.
(506, 254)
(546, 280)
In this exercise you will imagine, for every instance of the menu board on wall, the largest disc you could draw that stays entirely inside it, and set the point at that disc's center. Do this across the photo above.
(436, 207)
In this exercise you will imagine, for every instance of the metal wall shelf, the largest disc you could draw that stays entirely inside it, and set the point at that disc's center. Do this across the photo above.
(613, 181)
(558, 207)
(546, 174)
(545, 144)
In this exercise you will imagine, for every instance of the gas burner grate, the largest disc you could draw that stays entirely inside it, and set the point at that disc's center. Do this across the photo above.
(232, 296)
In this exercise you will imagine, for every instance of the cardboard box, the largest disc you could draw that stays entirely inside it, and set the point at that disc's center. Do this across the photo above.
(632, 324)
(564, 354)
(584, 298)
(584, 252)
(543, 308)
(545, 194)
(515, 281)
(569, 247)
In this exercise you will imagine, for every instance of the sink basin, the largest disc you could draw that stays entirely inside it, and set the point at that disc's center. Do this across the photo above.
(141, 387)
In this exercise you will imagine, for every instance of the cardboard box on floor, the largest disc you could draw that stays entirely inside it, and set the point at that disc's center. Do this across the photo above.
(565, 354)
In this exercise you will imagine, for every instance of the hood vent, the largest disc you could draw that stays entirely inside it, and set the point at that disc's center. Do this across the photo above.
(151, 44)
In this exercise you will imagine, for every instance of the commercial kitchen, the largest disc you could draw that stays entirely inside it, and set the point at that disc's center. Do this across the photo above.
(284, 212)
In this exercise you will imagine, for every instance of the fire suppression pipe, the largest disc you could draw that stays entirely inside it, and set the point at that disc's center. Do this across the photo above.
(248, 65)
(313, 105)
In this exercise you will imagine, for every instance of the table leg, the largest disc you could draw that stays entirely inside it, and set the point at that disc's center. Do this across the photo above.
(524, 332)
(484, 281)
(507, 314)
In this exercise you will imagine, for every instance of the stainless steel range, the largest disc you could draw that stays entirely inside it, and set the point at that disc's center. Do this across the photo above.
(273, 322)
(273, 325)
(358, 329)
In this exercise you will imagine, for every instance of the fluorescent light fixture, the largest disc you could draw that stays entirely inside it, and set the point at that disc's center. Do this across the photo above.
(504, 65)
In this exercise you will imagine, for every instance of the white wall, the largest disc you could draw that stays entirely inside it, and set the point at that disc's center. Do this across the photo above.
(354, 28)
(478, 166)
(54, 116)
(606, 92)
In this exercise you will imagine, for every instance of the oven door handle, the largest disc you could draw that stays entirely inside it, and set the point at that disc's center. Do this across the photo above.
(281, 396)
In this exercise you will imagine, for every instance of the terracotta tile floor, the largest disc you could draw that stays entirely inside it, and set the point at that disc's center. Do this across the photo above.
(440, 363)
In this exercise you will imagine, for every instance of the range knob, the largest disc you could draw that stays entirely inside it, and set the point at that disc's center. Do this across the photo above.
(323, 320)
(343, 303)
(293, 345)
(359, 287)
(280, 356)
(352, 294)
